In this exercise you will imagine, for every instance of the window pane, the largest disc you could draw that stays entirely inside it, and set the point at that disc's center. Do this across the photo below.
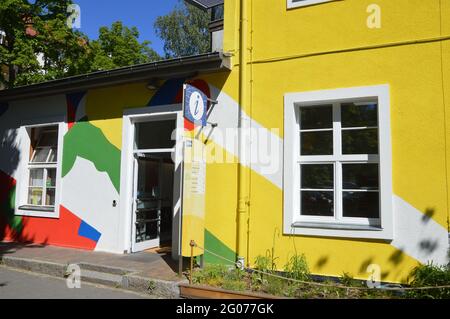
(361, 204)
(317, 203)
(37, 177)
(316, 117)
(50, 197)
(155, 134)
(359, 115)
(317, 176)
(360, 176)
(48, 138)
(363, 141)
(35, 196)
(41, 155)
(51, 177)
(317, 143)
(53, 156)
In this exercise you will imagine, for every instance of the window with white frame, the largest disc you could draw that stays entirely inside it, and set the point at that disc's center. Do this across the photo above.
(43, 167)
(337, 163)
(300, 3)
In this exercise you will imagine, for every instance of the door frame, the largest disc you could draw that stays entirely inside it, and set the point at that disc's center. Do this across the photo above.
(130, 117)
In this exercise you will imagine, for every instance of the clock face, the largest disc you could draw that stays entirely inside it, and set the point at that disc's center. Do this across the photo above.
(196, 106)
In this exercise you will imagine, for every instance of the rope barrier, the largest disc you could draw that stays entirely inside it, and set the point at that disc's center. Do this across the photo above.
(233, 262)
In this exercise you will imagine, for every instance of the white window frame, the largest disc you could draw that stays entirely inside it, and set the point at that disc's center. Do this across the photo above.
(295, 4)
(296, 224)
(22, 208)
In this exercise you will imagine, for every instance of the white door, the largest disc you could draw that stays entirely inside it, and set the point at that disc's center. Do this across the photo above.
(147, 203)
(155, 182)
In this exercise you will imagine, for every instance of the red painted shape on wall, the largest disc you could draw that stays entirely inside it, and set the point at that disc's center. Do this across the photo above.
(6, 184)
(188, 125)
(71, 111)
(62, 231)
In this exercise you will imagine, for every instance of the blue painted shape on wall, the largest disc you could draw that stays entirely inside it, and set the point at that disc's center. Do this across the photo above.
(75, 98)
(168, 93)
(88, 231)
(3, 108)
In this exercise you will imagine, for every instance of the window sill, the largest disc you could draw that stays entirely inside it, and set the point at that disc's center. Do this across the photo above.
(334, 230)
(37, 208)
(336, 226)
(291, 4)
(35, 211)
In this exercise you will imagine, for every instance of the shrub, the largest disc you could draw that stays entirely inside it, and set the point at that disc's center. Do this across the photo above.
(297, 268)
(265, 263)
(211, 274)
(427, 276)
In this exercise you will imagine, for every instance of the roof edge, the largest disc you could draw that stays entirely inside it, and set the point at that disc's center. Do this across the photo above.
(184, 66)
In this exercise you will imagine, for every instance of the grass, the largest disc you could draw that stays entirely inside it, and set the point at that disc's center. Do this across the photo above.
(262, 281)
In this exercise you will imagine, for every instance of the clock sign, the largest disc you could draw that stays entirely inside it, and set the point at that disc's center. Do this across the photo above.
(195, 105)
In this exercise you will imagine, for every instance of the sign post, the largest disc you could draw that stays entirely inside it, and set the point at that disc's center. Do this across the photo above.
(195, 104)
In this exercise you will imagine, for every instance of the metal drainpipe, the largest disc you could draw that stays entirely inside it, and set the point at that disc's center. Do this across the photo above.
(243, 128)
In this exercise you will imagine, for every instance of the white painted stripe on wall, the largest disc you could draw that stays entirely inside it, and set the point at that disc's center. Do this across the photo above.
(421, 238)
(226, 115)
(417, 235)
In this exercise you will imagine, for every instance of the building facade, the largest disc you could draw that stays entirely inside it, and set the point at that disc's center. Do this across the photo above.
(332, 142)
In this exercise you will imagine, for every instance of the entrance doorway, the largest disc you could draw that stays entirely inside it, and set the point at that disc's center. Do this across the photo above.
(154, 188)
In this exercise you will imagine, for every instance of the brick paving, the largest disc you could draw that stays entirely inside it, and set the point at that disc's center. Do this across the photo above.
(149, 264)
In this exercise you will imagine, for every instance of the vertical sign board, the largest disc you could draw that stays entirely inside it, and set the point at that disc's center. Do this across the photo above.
(195, 104)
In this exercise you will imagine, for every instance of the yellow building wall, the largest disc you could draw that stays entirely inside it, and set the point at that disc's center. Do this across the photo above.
(321, 47)
(329, 46)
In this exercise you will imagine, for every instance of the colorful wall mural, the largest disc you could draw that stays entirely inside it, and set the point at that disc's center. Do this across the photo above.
(419, 81)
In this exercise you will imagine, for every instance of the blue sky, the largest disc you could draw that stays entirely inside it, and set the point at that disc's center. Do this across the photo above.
(139, 13)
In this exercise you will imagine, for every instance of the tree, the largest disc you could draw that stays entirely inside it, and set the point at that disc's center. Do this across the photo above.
(38, 44)
(119, 46)
(184, 31)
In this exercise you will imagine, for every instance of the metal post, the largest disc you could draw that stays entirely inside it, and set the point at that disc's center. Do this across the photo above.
(180, 265)
(192, 244)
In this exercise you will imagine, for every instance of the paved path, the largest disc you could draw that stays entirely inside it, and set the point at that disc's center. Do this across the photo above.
(144, 264)
(24, 285)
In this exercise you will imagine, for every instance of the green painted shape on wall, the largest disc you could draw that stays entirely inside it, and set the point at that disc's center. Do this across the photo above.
(87, 141)
(15, 222)
(215, 245)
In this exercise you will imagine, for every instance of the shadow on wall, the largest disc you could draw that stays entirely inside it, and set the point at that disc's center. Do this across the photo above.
(11, 226)
(395, 261)
(17, 228)
(10, 155)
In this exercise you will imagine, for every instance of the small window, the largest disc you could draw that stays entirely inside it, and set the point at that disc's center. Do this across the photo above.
(300, 3)
(42, 167)
(217, 13)
(155, 135)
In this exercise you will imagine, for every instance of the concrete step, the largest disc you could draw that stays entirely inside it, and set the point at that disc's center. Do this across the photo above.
(99, 274)
(104, 269)
(102, 278)
(37, 266)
